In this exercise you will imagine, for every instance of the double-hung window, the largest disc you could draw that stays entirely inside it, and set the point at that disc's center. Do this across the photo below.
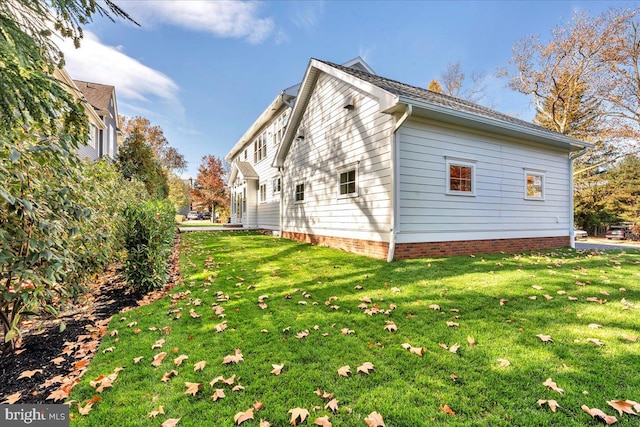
(299, 193)
(263, 193)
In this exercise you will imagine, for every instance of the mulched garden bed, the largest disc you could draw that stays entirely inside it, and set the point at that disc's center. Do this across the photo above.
(49, 362)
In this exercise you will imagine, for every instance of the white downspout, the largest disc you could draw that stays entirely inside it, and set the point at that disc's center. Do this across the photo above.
(572, 157)
(395, 178)
(281, 219)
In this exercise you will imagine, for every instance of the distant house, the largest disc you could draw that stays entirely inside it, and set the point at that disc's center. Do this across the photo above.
(103, 100)
(378, 167)
(96, 123)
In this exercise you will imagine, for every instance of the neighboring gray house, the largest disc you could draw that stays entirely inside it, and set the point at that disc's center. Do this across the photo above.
(378, 167)
(103, 142)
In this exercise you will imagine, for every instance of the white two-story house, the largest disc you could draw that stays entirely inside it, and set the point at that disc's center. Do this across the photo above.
(255, 185)
(378, 167)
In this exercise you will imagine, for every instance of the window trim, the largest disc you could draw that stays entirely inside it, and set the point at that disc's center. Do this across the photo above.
(295, 193)
(345, 169)
(455, 161)
(279, 186)
(535, 172)
(262, 197)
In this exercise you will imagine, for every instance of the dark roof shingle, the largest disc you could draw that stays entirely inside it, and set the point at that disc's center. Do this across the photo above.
(98, 95)
(439, 99)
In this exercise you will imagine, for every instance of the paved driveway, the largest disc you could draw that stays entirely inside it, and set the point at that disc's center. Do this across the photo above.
(604, 244)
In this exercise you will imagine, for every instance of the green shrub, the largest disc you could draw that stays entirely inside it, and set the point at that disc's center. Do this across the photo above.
(149, 232)
(59, 223)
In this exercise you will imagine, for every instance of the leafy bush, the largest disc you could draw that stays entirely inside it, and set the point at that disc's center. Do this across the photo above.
(59, 222)
(149, 232)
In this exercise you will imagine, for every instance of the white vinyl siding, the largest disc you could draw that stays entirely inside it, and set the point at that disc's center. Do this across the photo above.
(263, 210)
(498, 210)
(335, 138)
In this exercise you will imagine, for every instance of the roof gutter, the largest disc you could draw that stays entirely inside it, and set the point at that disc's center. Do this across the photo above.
(284, 101)
(572, 157)
(495, 126)
(395, 179)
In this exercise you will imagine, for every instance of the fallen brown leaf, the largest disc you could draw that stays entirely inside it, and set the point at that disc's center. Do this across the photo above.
(545, 338)
(365, 368)
(29, 374)
(552, 385)
(233, 358)
(626, 406)
(332, 405)
(178, 360)
(553, 405)
(12, 398)
(296, 413)
(344, 371)
(192, 388)
(157, 359)
(374, 419)
(171, 422)
(599, 414)
(218, 394)
(323, 421)
(446, 409)
(277, 369)
(84, 410)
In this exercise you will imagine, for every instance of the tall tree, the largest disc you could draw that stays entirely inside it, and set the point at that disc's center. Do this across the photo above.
(178, 192)
(29, 55)
(136, 161)
(624, 181)
(566, 76)
(621, 88)
(454, 82)
(168, 156)
(210, 189)
(435, 86)
(571, 110)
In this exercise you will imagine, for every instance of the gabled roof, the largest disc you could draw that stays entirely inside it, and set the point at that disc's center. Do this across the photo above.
(285, 98)
(266, 116)
(394, 96)
(98, 95)
(244, 169)
(70, 86)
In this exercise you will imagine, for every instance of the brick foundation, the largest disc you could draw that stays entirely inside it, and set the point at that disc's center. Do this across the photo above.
(362, 247)
(467, 247)
(431, 249)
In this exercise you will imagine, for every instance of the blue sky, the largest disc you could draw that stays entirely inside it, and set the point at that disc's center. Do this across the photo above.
(205, 70)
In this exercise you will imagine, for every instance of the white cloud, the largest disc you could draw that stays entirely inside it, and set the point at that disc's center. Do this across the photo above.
(307, 14)
(233, 19)
(100, 63)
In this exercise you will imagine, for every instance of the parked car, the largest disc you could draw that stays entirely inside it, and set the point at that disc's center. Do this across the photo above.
(194, 215)
(620, 232)
(579, 234)
(206, 215)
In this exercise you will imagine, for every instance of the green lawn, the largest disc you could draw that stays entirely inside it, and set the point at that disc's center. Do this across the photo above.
(319, 290)
(199, 223)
